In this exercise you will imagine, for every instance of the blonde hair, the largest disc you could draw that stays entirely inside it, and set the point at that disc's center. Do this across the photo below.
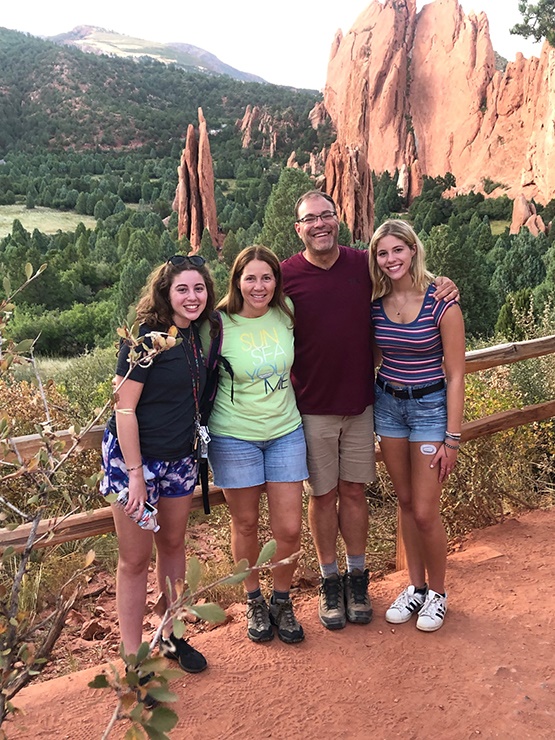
(421, 277)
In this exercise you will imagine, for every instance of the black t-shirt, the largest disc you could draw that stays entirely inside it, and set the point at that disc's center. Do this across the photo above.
(166, 409)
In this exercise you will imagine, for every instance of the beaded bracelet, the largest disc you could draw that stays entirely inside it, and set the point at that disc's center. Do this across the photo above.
(452, 447)
(136, 467)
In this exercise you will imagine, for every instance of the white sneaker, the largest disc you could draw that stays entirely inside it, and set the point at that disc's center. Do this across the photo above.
(408, 602)
(432, 614)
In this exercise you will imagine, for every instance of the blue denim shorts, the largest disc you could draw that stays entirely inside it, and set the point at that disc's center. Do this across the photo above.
(238, 463)
(419, 419)
(163, 479)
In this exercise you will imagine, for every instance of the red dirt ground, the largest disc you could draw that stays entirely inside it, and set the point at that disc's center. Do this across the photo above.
(488, 673)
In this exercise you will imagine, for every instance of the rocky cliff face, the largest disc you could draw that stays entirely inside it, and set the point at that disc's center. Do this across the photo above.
(419, 92)
(194, 197)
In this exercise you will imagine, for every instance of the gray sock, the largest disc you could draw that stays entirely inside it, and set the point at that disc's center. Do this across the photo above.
(328, 570)
(355, 562)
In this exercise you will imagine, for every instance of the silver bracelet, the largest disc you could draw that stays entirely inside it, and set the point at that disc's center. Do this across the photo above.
(452, 447)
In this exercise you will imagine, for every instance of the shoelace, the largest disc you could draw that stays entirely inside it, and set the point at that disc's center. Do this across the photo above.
(257, 612)
(359, 584)
(432, 606)
(405, 600)
(285, 614)
(331, 590)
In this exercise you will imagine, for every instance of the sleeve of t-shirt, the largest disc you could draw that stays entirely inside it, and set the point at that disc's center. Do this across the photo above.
(440, 308)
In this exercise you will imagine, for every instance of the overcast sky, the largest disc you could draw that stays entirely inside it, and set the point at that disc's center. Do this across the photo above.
(287, 42)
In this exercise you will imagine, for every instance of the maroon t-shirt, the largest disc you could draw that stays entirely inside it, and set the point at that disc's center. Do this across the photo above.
(333, 372)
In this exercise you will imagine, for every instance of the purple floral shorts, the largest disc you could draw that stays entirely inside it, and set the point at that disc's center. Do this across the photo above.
(163, 479)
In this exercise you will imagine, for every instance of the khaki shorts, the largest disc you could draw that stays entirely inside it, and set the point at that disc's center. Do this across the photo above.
(339, 448)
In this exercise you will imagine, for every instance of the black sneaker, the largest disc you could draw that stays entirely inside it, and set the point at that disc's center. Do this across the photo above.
(179, 649)
(331, 604)
(283, 617)
(259, 627)
(357, 600)
(143, 696)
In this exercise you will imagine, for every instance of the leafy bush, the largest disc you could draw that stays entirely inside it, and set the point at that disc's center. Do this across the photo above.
(498, 475)
(66, 333)
(86, 381)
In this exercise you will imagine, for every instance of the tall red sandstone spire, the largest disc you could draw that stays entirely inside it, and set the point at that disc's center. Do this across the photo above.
(194, 197)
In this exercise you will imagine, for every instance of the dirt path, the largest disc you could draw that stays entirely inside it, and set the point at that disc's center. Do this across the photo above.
(488, 673)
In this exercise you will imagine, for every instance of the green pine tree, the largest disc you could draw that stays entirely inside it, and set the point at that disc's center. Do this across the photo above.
(231, 249)
(207, 249)
(278, 231)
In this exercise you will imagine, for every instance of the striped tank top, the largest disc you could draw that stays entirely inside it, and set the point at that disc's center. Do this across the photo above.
(412, 353)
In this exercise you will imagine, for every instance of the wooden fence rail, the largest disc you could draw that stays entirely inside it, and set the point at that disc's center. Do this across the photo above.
(88, 524)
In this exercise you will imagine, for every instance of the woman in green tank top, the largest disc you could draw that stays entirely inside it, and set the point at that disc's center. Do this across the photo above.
(257, 440)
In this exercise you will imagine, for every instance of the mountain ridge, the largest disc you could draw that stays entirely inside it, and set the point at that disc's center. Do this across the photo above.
(97, 40)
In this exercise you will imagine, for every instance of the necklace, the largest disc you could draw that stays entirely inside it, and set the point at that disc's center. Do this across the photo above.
(398, 310)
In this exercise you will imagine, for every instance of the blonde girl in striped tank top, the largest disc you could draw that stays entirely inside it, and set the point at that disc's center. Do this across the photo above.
(418, 409)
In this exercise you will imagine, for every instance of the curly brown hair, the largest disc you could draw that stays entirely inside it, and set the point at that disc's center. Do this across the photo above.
(154, 307)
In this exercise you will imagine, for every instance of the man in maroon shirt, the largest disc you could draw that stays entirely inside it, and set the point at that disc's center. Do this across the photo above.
(333, 377)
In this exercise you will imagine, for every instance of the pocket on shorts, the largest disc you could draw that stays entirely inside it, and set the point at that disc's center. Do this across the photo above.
(432, 401)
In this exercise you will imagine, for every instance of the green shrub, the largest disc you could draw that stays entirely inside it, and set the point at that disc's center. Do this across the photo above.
(87, 380)
(65, 333)
(498, 475)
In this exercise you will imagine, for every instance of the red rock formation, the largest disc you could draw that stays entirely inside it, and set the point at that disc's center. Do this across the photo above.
(245, 126)
(524, 214)
(522, 210)
(258, 119)
(194, 197)
(206, 182)
(318, 115)
(315, 165)
(419, 92)
(349, 182)
(292, 161)
(536, 225)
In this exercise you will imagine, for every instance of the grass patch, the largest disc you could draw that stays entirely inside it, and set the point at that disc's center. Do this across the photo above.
(47, 220)
(498, 227)
(227, 184)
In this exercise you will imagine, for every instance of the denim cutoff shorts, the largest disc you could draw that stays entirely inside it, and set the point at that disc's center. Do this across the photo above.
(419, 419)
(239, 463)
(163, 479)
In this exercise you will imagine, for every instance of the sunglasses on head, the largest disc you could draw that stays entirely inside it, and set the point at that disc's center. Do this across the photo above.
(180, 259)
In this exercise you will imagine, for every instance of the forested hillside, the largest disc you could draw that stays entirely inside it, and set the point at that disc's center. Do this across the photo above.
(57, 97)
(102, 137)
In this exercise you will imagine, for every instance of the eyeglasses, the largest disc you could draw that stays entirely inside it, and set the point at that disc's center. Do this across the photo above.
(180, 259)
(312, 219)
